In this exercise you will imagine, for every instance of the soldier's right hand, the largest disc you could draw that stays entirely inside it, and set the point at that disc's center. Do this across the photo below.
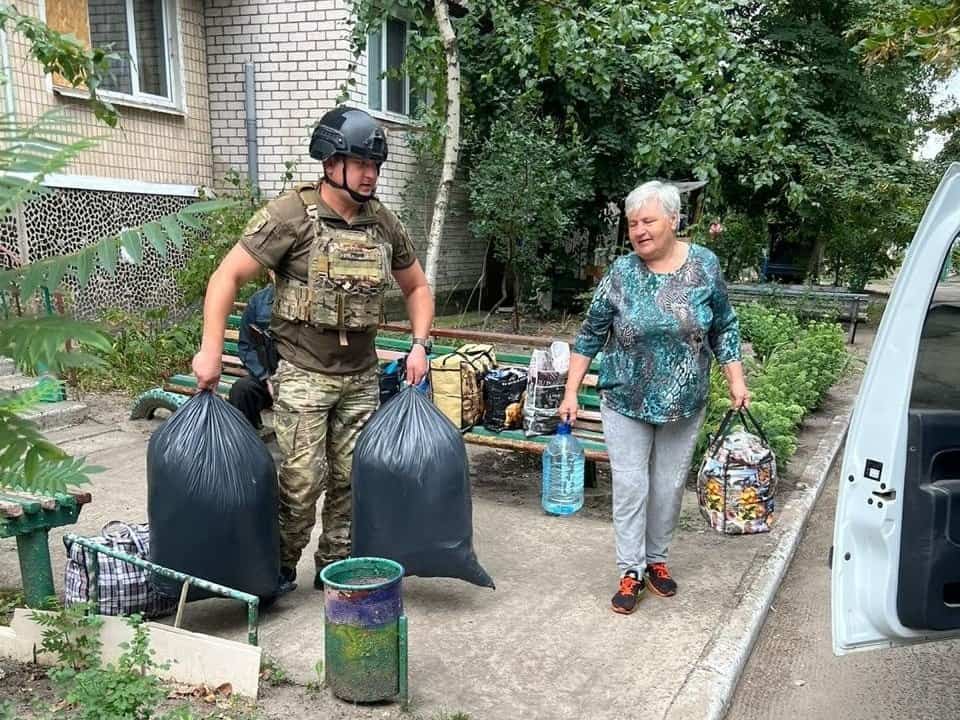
(207, 368)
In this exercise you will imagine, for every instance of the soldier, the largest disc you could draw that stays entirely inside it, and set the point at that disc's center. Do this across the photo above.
(332, 246)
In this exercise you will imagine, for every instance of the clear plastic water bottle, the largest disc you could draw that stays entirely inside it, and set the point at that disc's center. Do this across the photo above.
(562, 474)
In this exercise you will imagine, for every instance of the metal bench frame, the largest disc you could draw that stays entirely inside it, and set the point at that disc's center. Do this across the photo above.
(809, 300)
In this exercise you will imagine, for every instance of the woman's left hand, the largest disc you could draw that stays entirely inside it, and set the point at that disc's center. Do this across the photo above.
(739, 395)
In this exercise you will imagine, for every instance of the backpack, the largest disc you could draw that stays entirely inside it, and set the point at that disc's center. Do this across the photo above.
(738, 479)
(456, 379)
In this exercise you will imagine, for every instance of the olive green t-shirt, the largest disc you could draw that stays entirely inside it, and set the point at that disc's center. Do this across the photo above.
(279, 237)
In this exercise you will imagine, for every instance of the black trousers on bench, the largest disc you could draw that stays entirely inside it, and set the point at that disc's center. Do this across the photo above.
(251, 397)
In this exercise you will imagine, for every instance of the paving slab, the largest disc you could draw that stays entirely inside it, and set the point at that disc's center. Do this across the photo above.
(544, 644)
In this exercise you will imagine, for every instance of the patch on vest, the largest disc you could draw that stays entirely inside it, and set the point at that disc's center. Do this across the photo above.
(256, 223)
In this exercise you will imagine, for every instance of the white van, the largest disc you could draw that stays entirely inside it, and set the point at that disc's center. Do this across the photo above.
(896, 555)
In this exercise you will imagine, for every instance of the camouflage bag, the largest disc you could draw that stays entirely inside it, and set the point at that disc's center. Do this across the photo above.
(457, 379)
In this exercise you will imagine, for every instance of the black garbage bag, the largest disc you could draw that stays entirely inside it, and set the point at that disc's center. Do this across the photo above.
(212, 500)
(411, 492)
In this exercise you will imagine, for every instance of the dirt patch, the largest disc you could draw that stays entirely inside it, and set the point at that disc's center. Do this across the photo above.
(28, 688)
(31, 696)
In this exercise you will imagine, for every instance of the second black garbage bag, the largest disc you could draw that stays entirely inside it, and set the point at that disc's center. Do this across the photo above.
(212, 500)
(411, 492)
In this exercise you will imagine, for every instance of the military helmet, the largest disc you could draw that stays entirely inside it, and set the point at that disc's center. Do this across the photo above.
(351, 132)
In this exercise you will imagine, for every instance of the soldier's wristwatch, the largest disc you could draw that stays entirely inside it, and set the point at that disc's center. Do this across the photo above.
(426, 342)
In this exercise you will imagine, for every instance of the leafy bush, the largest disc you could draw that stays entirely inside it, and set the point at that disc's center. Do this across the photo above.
(740, 243)
(525, 185)
(144, 350)
(765, 328)
(800, 366)
(223, 229)
(125, 691)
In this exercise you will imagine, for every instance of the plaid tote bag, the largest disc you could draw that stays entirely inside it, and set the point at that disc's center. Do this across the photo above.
(122, 588)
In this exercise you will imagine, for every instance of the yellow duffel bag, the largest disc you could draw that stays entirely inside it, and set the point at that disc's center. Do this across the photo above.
(457, 378)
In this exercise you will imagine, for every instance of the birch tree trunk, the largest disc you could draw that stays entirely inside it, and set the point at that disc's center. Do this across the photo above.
(451, 145)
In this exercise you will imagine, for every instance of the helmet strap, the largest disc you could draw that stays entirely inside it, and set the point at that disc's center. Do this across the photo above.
(354, 195)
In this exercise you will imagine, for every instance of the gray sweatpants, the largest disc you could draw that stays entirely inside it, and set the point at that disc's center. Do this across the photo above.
(649, 465)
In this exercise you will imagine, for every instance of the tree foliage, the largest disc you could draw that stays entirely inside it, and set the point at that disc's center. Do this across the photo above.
(929, 30)
(525, 190)
(767, 100)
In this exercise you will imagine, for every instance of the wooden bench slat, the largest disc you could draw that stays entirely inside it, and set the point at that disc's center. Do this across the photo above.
(587, 425)
(46, 502)
(30, 507)
(479, 336)
(515, 440)
(82, 498)
(10, 510)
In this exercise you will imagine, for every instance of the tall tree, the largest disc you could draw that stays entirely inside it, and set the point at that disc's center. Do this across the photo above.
(850, 197)
(451, 145)
(432, 63)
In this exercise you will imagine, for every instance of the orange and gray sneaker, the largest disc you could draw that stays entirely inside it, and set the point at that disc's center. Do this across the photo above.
(659, 580)
(630, 590)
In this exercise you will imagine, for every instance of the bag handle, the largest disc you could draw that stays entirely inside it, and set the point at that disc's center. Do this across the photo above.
(470, 358)
(124, 528)
(743, 414)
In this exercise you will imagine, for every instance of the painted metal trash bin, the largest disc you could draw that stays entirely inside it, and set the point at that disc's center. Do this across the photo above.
(365, 630)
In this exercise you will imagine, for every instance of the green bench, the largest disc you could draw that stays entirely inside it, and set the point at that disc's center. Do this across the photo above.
(808, 301)
(28, 518)
(588, 427)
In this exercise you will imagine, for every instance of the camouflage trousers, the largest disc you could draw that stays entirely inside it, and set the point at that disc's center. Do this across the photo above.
(318, 418)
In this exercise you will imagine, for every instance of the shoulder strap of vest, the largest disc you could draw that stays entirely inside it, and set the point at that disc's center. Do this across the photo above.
(308, 194)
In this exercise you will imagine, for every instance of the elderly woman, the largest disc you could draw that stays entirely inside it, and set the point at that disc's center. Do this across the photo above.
(658, 313)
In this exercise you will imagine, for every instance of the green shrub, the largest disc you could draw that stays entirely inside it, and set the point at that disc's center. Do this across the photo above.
(765, 328)
(125, 691)
(145, 349)
(801, 364)
(223, 229)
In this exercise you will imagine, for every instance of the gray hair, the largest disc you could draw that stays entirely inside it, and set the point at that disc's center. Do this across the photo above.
(666, 194)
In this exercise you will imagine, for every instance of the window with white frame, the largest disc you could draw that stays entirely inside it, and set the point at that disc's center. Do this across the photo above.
(386, 49)
(143, 32)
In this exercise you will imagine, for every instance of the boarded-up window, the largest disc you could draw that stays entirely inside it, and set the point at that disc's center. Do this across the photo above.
(135, 29)
(68, 16)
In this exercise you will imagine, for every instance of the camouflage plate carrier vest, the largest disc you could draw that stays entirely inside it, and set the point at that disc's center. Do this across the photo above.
(348, 273)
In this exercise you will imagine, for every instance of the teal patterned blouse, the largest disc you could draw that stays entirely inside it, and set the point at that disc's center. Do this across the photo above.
(657, 331)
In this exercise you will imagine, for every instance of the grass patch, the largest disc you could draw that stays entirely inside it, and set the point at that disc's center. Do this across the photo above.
(10, 599)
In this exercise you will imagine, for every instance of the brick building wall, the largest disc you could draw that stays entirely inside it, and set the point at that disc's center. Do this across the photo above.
(149, 166)
(302, 58)
(149, 145)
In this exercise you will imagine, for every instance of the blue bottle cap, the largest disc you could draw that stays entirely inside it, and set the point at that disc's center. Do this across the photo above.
(563, 428)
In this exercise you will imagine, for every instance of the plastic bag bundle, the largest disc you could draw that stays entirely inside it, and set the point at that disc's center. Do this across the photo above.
(503, 399)
(411, 492)
(212, 500)
(546, 380)
(122, 588)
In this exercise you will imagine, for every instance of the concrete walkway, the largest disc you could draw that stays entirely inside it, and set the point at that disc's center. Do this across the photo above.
(545, 643)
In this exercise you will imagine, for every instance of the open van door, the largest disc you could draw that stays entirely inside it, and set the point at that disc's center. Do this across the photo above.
(896, 558)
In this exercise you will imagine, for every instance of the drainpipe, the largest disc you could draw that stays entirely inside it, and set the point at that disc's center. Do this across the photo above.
(10, 114)
(250, 102)
(9, 104)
